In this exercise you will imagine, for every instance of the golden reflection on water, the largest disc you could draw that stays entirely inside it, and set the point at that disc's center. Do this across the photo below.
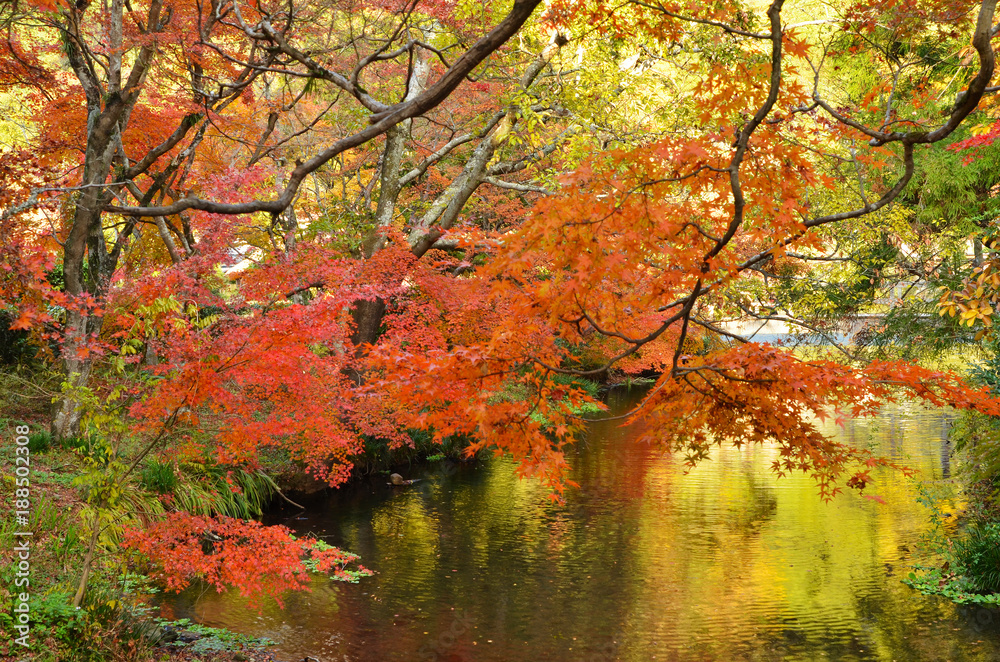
(643, 562)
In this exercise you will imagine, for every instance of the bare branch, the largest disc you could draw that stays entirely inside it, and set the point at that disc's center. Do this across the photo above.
(381, 123)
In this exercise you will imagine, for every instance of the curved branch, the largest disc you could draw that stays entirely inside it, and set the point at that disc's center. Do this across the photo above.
(381, 122)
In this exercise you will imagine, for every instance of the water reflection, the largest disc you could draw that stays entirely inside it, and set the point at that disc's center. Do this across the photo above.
(643, 562)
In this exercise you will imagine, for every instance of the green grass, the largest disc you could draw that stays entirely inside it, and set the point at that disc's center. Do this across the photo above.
(977, 553)
(204, 490)
(39, 442)
(158, 477)
(46, 516)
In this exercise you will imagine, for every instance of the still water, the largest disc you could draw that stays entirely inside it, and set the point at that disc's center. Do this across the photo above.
(642, 562)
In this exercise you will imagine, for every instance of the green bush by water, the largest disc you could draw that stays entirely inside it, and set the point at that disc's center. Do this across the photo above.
(977, 554)
(965, 568)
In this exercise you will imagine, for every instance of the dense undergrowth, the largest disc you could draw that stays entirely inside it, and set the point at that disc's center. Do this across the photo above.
(966, 566)
(114, 620)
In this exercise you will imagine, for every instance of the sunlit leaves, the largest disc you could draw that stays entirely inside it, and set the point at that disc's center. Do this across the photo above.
(976, 302)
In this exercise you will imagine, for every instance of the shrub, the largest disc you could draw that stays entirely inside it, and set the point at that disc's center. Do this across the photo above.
(39, 442)
(106, 629)
(158, 477)
(978, 553)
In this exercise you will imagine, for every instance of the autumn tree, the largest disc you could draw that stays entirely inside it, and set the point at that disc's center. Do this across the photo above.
(196, 61)
(651, 246)
(634, 254)
(183, 100)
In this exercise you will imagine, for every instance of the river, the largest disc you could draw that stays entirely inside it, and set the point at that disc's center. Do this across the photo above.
(643, 562)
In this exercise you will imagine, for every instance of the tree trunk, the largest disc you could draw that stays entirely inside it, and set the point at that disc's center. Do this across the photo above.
(68, 413)
(367, 315)
(109, 106)
(86, 235)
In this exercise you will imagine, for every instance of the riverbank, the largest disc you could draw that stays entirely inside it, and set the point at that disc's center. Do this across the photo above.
(56, 483)
(114, 621)
(162, 654)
